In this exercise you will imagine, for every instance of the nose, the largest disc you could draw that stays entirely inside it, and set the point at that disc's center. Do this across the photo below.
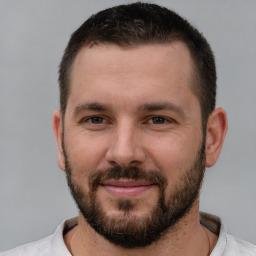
(125, 147)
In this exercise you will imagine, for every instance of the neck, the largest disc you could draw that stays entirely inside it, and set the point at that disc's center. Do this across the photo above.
(187, 238)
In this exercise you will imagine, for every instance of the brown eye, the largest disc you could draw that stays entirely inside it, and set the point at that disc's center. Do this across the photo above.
(158, 120)
(96, 120)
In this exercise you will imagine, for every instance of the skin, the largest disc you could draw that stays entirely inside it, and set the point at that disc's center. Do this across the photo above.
(126, 82)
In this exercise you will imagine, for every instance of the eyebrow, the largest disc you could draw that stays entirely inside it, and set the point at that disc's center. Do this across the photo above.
(149, 107)
(94, 106)
(162, 106)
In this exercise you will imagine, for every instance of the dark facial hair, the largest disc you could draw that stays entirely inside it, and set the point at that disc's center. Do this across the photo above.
(129, 231)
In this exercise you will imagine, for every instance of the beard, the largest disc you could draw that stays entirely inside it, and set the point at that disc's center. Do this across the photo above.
(129, 231)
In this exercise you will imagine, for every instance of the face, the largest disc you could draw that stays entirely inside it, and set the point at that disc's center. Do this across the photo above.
(133, 145)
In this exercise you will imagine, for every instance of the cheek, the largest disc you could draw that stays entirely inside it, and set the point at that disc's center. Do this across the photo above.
(173, 157)
(84, 152)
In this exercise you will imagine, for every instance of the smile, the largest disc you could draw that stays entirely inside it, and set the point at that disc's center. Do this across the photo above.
(126, 188)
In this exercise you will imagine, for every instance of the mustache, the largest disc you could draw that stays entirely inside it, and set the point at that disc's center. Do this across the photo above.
(133, 172)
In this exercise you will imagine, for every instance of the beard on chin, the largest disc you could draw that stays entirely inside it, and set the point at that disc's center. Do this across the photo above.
(129, 231)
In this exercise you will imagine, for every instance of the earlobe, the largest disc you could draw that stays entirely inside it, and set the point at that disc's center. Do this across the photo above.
(58, 131)
(215, 134)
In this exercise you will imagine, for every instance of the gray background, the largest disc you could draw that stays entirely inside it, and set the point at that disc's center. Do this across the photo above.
(33, 194)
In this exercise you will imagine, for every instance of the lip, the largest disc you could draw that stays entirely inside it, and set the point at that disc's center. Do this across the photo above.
(126, 188)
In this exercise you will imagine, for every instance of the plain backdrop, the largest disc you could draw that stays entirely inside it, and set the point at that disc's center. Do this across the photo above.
(34, 197)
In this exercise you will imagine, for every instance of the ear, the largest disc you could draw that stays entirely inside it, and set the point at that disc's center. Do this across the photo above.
(58, 131)
(215, 134)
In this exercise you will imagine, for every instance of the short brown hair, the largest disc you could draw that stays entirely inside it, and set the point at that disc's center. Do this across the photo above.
(140, 24)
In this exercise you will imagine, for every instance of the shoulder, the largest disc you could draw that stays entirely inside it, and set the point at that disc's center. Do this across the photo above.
(39, 248)
(226, 245)
(236, 246)
(48, 246)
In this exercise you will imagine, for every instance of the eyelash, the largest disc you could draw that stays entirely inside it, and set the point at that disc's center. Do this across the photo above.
(89, 119)
(163, 119)
(103, 120)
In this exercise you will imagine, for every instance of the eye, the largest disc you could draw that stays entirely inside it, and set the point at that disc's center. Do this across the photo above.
(95, 123)
(159, 120)
(96, 120)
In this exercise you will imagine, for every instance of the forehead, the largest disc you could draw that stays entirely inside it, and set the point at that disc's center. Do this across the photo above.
(158, 57)
(112, 71)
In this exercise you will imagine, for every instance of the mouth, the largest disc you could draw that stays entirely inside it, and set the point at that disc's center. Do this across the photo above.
(126, 188)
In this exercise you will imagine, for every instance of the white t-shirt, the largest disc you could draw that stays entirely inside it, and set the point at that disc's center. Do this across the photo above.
(53, 245)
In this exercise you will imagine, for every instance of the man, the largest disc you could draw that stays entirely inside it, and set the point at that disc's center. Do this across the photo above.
(136, 128)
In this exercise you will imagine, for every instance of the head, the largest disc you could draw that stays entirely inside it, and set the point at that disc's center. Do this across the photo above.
(139, 24)
(137, 124)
